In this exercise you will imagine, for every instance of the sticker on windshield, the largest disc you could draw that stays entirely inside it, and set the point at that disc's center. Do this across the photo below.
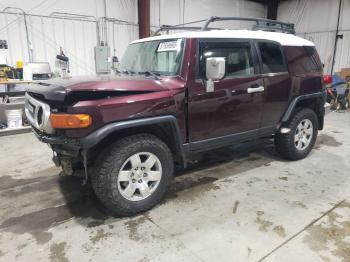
(169, 46)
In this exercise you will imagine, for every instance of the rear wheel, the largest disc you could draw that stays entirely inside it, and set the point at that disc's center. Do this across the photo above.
(133, 174)
(302, 136)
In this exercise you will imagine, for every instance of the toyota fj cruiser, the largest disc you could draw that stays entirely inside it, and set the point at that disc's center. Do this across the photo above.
(176, 95)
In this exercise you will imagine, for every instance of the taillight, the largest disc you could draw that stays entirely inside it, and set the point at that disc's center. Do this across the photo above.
(327, 79)
(70, 120)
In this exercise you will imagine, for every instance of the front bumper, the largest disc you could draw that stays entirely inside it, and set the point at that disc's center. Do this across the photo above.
(58, 143)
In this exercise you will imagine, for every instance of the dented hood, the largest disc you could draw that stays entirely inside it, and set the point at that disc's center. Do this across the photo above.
(59, 89)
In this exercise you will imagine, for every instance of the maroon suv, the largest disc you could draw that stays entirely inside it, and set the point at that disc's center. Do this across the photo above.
(176, 95)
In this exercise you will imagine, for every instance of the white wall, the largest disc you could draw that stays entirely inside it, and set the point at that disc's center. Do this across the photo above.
(172, 12)
(79, 37)
(76, 37)
(316, 20)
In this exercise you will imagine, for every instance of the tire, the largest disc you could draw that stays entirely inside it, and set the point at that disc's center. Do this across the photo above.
(285, 143)
(112, 178)
(344, 103)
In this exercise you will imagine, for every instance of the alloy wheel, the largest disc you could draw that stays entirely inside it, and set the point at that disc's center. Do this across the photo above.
(139, 176)
(303, 134)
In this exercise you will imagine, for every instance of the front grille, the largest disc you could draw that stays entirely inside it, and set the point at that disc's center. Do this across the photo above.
(38, 114)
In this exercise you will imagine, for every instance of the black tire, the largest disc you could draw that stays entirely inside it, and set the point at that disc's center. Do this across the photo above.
(111, 160)
(344, 103)
(285, 144)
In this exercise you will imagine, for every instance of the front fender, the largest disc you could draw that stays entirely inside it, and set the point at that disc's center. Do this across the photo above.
(98, 135)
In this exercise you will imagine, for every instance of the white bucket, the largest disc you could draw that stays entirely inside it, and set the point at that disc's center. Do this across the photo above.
(14, 118)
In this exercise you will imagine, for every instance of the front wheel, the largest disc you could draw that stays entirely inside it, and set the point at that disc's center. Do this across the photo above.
(302, 136)
(133, 174)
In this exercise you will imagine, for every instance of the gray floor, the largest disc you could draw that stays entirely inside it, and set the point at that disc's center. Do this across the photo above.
(238, 204)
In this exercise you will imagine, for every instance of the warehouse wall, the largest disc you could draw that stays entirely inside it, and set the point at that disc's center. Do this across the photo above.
(78, 38)
(316, 20)
(165, 12)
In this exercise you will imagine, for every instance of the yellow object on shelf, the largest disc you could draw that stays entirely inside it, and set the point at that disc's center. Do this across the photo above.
(19, 64)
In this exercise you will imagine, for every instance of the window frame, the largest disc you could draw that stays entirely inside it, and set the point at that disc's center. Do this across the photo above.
(253, 53)
(256, 44)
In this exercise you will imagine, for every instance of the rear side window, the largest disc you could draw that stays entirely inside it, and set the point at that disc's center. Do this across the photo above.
(272, 59)
(303, 59)
(313, 61)
(237, 56)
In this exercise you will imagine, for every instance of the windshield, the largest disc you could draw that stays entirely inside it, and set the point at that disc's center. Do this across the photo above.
(162, 57)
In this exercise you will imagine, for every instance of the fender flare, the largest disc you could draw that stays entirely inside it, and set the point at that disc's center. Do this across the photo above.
(98, 135)
(292, 105)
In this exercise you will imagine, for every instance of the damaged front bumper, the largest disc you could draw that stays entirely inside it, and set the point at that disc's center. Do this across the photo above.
(67, 152)
(66, 143)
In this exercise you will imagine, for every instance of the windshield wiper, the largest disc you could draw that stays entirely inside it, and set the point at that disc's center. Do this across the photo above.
(151, 73)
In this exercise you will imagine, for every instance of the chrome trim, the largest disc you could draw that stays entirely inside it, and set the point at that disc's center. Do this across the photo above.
(32, 108)
(274, 74)
(258, 89)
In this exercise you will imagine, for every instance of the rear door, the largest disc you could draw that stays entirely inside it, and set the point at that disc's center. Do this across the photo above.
(277, 82)
(229, 109)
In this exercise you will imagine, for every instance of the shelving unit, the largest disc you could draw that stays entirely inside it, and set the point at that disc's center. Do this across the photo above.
(15, 131)
(10, 91)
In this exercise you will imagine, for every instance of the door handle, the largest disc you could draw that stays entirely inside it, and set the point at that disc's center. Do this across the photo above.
(255, 89)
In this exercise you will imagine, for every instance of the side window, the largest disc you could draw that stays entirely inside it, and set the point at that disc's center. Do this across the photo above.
(302, 59)
(312, 62)
(237, 56)
(271, 56)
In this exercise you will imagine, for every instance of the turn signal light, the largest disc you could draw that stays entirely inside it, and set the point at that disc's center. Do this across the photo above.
(70, 120)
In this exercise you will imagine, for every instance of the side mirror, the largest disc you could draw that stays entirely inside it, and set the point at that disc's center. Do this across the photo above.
(215, 70)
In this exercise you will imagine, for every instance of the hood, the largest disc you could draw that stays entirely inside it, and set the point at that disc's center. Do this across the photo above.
(83, 88)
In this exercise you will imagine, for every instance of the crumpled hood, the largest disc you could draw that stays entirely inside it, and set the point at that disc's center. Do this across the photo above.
(58, 89)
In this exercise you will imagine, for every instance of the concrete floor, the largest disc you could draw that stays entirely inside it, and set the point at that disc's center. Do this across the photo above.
(237, 204)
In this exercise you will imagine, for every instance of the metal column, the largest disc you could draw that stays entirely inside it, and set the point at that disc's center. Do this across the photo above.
(143, 7)
(272, 6)
(337, 36)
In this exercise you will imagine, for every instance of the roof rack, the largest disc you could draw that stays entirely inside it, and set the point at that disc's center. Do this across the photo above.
(175, 27)
(167, 28)
(260, 24)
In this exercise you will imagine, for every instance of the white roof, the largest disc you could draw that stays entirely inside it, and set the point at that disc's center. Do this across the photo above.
(282, 38)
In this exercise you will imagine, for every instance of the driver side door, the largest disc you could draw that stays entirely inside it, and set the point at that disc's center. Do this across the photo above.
(233, 110)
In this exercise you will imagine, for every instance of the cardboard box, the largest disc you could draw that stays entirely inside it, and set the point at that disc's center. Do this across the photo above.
(344, 73)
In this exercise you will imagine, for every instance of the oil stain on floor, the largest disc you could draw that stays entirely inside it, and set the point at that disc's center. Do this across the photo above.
(332, 234)
(38, 223)
(57, 252)
(133, 224)
(263, 224)
(326, 140)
